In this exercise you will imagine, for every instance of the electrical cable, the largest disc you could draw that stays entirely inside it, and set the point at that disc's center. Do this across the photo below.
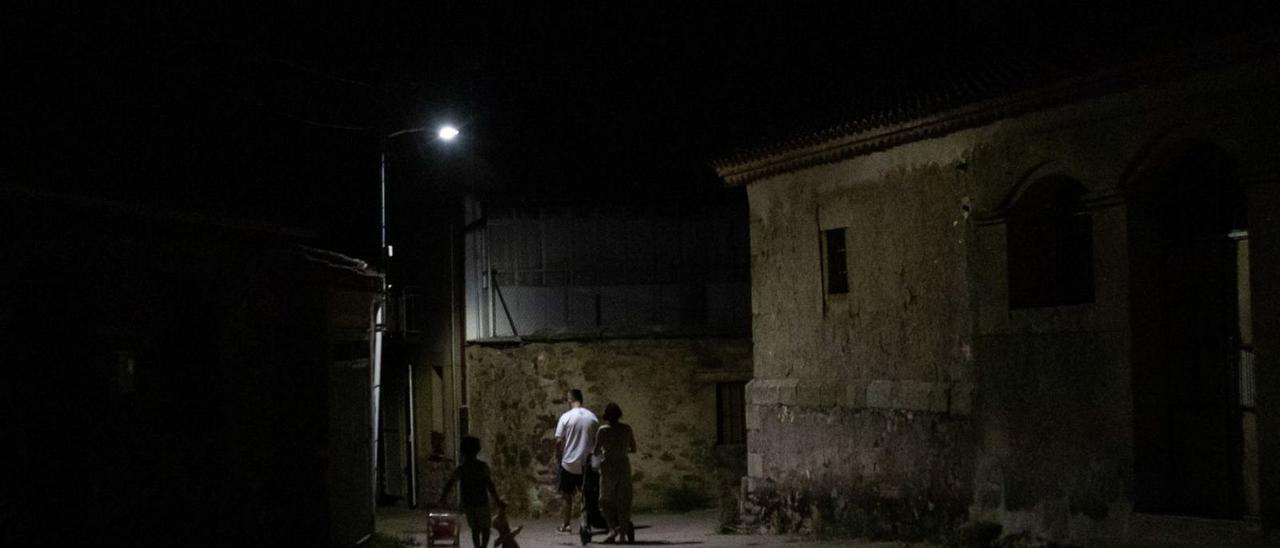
(243, 98)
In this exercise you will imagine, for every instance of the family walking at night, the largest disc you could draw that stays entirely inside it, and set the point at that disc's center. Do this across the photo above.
(593, 459)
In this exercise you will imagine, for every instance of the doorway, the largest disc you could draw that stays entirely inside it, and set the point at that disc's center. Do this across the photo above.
(1186, 346)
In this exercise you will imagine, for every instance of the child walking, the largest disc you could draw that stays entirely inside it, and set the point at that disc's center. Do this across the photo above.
(476, 488)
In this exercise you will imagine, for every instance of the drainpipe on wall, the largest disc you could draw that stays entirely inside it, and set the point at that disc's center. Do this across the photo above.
(457, 260)
(487, 276)
(412, 446)
(375, 388)
(380, 318)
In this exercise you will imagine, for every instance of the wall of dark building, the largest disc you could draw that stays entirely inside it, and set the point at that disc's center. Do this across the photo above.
(1264, 265)
(183, 381)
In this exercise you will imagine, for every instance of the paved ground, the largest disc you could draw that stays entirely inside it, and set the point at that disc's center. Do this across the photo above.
(691, 529)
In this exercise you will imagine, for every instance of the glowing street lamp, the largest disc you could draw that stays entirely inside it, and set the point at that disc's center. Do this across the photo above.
(447, 133)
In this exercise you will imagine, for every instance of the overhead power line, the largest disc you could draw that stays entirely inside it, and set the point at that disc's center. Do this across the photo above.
(244, 98)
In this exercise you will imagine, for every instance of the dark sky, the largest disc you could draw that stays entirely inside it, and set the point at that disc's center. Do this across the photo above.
(274, 114)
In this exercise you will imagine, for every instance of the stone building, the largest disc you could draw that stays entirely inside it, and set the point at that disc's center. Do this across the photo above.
(1033, 303)
(643, 305)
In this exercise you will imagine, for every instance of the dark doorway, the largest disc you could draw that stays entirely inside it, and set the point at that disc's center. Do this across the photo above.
(1183, 298)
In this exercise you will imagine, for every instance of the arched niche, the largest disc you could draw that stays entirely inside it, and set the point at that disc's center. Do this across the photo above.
(1049, 244)
(1190, 187)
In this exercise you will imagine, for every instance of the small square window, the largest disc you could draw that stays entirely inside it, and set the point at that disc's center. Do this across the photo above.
(837, 263)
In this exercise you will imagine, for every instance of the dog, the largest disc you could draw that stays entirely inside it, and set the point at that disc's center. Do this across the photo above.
(506, 535)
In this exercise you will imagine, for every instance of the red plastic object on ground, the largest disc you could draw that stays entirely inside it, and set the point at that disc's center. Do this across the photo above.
(444, 527)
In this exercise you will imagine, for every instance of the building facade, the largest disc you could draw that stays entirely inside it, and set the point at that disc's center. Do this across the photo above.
(642, 305)
(1050, 310)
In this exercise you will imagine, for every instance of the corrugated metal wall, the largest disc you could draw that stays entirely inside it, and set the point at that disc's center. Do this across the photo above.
(564, 269)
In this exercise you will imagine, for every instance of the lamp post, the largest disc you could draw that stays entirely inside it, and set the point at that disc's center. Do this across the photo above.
(444, 133)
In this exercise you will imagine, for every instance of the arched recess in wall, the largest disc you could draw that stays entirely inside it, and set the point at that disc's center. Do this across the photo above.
(1185, 206)
(1049, 239)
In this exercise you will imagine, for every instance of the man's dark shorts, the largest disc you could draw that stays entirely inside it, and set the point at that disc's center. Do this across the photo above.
(568, 483)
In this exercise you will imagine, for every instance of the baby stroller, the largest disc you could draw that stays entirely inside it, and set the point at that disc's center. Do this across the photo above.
(592, 518)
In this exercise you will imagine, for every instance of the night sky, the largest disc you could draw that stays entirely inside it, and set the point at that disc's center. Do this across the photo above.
(275, 114)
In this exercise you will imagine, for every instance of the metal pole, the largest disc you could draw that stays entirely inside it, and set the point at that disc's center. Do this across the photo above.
(380, 319)
(493, 280)
(457, 287)
(382, 202)
(455, 357)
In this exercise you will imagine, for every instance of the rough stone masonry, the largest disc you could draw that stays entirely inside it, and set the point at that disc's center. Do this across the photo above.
(666, 388)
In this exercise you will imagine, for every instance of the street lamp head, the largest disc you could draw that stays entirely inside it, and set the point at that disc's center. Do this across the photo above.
(447, 133)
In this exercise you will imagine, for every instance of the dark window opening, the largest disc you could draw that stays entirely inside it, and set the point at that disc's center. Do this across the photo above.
(731, 413)
(837, 262)
(693, 304)
(125, 373)
(1050, 246)
(412, 308)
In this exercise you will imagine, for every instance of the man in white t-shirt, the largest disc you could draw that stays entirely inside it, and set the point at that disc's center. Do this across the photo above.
(575, 436)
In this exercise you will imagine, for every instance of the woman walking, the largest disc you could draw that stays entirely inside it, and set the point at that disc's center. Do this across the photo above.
(614, 442)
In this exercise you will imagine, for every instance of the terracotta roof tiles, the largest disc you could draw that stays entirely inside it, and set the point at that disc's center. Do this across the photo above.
(926, 101)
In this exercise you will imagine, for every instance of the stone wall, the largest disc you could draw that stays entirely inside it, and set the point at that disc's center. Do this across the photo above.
(846, 472)
(667, 391)
(919, 399)
(858, 414)
(1054, 403)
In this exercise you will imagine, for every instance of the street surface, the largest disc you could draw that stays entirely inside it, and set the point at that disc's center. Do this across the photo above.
(689, 529)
